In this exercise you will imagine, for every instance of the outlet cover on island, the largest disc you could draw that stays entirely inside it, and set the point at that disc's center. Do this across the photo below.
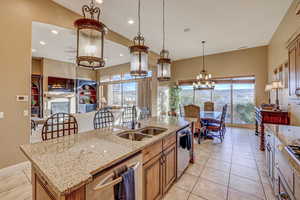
(1, 115)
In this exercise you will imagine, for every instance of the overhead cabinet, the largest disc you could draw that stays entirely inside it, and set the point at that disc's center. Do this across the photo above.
(294, 67)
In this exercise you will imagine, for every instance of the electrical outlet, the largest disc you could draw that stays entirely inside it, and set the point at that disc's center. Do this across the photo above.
(1, 115)
(25, 113)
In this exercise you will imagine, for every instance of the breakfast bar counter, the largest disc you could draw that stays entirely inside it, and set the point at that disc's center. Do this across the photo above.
(68, 163)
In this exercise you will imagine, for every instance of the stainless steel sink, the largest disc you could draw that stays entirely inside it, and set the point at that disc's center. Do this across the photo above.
(134, 136)
(152, 131)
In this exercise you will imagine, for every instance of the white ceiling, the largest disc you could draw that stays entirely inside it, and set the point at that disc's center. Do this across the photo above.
(62, 46)
(225, 24)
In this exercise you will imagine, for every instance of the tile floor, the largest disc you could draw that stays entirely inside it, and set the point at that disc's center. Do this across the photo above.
(232, 170)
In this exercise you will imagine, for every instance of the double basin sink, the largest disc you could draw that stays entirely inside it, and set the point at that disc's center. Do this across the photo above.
(141, 134)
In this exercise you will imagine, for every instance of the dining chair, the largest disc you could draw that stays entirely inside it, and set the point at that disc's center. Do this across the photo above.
(144, 113)
(103, 119)
(193, 111)
(209, 106)
(129, 115)
(33, 125)
(181, 110)
(218, 125)
(59, 125)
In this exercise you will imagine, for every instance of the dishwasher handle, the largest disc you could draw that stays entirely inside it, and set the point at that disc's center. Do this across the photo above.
(103, 184)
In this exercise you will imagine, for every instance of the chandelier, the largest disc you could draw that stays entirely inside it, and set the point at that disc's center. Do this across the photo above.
(139, 52)
(90, 38)
(204, 80)
(164, 62)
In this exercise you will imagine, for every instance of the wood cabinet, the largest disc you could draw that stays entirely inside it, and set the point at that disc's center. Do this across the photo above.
(169, 167)
(160, 164)
(37, 96)
(153, 178)
(294, 66)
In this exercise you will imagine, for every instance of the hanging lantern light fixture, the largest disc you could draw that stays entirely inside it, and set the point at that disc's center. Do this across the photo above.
(90, 38)
(204, 80)
(139, 52)
(164, 62)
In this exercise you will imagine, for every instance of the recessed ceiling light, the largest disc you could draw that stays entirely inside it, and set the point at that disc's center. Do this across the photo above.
(99, 1)
(131, 21)
(55, 32)
(33, 50)
(42, 43)
(121, 54)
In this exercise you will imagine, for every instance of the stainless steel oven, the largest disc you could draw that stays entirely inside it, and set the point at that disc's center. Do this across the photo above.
(183, 154)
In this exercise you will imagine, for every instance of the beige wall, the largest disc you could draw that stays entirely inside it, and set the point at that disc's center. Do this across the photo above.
(110, 71)
(245, 62)
(61, 69)
(278, 54)
(36, 66)
(15, 55)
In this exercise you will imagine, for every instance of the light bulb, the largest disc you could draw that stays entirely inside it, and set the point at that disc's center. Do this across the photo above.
(90, 50)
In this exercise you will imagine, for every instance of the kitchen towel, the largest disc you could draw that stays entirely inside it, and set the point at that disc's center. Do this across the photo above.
(185, 140)
(126, 189)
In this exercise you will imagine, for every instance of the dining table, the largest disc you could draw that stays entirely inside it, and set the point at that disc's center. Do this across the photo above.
(206, 115)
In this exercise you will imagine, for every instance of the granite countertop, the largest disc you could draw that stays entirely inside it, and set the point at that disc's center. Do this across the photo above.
(288, 135)
(69, 162)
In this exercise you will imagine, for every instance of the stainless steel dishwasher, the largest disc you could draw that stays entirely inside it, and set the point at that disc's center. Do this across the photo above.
(102, 186)
(183, 154)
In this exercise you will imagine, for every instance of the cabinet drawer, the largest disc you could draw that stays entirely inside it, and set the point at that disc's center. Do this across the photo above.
(168, 141)
(152, 151)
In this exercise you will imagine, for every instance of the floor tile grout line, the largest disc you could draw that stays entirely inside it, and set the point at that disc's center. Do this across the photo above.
(259, 174)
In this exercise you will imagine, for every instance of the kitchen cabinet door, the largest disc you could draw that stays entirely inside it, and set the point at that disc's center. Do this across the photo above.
(153, 179)
(297, 64)
(292, 71)
(297, 185)
(169, 166)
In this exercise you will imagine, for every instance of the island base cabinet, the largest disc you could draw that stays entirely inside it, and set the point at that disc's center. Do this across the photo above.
(153, 179)
(160, 173)
(170, 163)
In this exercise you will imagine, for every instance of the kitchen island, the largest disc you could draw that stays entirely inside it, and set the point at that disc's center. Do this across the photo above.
(63, 167)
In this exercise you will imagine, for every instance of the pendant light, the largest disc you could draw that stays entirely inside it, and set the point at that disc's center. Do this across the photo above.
(164, 62)
(139, 52)
(204, 80)
(90, 38)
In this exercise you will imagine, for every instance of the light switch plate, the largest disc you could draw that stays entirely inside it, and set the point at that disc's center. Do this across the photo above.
(25, 113)
(22, 98)
(1, 115)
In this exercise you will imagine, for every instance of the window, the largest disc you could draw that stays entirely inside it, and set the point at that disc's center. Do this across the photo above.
(243, 103)
(129, 93)
(163, 100)
(237, 93)
(202, 96)
(122, 94)
(115, 94)
(222, 96)
(187, 95)
(116, 77)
